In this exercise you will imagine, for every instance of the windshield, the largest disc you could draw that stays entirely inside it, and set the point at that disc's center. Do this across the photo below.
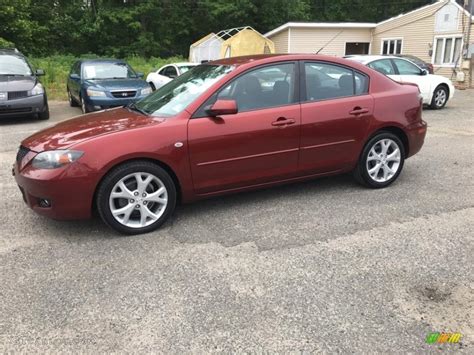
(175, 96)
(14, 65)
(108, 71)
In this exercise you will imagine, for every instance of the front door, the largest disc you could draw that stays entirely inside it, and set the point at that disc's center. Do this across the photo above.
(335, 115)
(410, 73)
(258, 144)
(386, 67)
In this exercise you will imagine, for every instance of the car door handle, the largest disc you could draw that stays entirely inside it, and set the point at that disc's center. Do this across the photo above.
(283, 121)
(359, 111)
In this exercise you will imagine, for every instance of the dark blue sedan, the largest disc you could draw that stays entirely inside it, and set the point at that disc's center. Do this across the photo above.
(97, 84)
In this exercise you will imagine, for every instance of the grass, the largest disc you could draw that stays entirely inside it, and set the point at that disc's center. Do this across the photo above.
(57, 70)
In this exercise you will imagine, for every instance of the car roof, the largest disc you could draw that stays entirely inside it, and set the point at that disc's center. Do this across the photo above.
(100, 60)
(185, 64)
(11, 51)
(269, 58)
(369, 58)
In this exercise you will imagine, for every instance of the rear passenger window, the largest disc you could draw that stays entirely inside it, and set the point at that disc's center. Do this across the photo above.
(361, 83)
(327, 81)
(383, 66)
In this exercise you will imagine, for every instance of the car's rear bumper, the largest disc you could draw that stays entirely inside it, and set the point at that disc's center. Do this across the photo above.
(22, 107)
(416, 134)
(69, 191)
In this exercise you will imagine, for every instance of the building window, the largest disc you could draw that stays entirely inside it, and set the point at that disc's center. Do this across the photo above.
(392, 46)
(447, 50)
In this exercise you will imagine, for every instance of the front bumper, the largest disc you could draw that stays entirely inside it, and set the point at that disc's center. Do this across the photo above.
(96, 103)
(69, 190)
(24, 106)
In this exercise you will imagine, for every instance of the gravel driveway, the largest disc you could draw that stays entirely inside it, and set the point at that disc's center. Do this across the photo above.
(323, 266)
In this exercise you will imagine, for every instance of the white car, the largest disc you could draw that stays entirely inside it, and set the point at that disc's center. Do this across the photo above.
(165, 74)
(435, 89)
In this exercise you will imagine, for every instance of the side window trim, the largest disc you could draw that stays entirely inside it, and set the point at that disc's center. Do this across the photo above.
(304, 98)
(394, 66)
(296, 87)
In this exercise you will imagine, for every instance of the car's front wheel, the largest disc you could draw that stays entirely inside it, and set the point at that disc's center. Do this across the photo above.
(440, 98)
(381, 161)
(136, 197)
(84, 106)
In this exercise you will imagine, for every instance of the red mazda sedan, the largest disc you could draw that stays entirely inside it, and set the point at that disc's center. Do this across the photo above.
(225, 126)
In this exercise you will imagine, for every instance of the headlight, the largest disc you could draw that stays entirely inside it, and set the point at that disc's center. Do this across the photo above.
(146, 91)
(53, 159)
(91, 92)
(37, 90)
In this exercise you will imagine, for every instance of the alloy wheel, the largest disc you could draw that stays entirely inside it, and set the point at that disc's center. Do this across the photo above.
(440, 97)
(138, 200)
(383, 160)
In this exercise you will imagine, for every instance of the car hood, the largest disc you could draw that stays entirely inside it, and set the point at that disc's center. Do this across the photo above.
(17, 83)
(117, 84)
(79, 129)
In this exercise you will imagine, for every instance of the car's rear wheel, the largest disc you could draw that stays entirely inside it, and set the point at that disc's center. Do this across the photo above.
(136, 197)
(440, 97)
(381, 161)
(71, 100)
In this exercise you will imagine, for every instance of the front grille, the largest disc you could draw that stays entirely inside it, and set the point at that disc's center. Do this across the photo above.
(12, 95)
(15, 110)
(21, 154)
(124, 94)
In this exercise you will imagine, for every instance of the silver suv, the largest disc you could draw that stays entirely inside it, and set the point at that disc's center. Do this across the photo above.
(21, 93)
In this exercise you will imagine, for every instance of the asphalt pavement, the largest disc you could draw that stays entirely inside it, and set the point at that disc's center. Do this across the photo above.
(320, 266)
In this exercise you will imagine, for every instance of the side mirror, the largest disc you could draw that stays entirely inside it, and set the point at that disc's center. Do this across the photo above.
(39, 72)
(172, 76)
(74, 76)
(140, 75)
(223, 107)
(424, 72)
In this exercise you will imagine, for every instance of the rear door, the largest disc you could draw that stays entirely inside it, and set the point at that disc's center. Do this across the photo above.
(386, 67)
(258, 144)
(335, 114)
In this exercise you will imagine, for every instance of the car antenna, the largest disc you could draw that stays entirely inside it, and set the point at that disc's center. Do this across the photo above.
(332, 39)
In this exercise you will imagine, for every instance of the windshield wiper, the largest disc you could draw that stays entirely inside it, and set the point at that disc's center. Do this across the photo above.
(12, 75)
(133, 107)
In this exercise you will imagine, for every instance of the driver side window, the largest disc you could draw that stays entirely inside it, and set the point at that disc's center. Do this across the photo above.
(260, 88)
(170, 72)
(407, 68)
(383, 66)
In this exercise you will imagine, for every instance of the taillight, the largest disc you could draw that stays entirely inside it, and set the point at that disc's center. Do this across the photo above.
(430, 68)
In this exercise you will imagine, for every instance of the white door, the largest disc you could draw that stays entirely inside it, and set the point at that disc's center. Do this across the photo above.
(385, 66)
(411, 73)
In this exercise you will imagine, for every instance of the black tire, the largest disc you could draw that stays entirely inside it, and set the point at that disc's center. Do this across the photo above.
(361, 173)
(114, 176)
(71, 100)
(45, 114)
(84, 107)
(437, 102)
(153, 88)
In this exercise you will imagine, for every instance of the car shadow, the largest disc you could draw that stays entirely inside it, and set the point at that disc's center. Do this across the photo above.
(19, 120)
(185, 216)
